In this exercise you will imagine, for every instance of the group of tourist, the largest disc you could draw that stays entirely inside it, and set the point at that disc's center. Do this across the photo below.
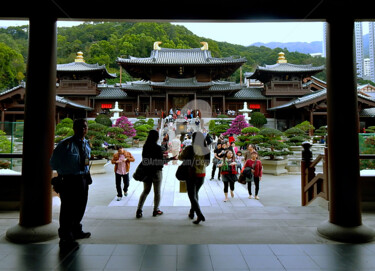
(230, 162)
(71, 161)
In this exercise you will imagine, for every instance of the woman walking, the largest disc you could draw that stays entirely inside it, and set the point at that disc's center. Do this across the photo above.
(257, 170)
(152, 160)
(229, 173)
(199, 155)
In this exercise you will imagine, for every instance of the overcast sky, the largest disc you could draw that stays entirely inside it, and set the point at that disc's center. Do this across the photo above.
(241, 33)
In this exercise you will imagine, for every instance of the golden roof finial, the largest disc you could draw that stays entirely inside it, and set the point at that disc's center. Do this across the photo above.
(205, 46)
(156, 45)
(79, 57)
(281, 58)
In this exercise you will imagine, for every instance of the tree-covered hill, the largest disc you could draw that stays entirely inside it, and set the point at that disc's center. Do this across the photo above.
(103, 42)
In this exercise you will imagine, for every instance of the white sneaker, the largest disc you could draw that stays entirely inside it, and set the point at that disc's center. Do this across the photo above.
(250, 197)
(118, 198)
(256, 197)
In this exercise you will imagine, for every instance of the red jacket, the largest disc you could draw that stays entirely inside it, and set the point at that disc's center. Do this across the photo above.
(258, 170)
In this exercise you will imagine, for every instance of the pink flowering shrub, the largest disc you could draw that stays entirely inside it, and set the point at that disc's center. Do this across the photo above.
(237, 125)
(125, 124)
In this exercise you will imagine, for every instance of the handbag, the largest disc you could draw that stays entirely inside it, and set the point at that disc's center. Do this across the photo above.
(242, 178)
(186, 170)
(140, 173)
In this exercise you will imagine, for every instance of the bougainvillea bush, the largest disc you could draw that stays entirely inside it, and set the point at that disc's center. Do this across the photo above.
(237, 125)
(126, 125)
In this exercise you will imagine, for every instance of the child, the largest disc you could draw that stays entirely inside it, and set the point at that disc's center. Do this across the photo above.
(239, 160)
(257, 170)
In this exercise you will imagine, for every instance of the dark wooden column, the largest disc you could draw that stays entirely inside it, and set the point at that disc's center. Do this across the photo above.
(345, 223)
(35, 222)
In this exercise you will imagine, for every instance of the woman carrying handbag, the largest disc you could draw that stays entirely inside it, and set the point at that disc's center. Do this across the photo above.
(257, 169)
(199, 157)
(229, 173)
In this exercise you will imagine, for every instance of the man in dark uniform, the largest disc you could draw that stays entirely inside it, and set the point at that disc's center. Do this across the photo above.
(71, 161)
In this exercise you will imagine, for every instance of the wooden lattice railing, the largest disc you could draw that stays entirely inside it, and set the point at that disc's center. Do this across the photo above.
(313, 184)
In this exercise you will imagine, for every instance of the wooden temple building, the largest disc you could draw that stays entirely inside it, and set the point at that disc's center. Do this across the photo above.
(285, 93)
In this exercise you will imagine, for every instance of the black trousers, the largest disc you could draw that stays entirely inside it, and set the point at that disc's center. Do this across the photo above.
(73, 196)
(213, 171)
(192, 187)
(256, 182)
(125, 179)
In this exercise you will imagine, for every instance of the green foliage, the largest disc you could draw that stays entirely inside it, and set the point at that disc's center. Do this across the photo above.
(103, 42)
(370, 129)
(305, 126)
(250, 130)
(271, 145)
(67, 122)
(12, 67)
(103, 119)
(211, 126)
(220, 129)
(5, 144)
(368, 147)
(64, 129)
(258, 119)
(322, 131)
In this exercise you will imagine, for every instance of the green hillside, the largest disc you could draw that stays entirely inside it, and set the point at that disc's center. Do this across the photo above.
(103, 42)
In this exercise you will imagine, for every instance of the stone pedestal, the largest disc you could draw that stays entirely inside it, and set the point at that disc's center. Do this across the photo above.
(275, 167)
(97, 166)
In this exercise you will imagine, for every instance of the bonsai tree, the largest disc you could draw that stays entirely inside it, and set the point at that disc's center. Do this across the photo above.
(103, 119)
(321, 133)
(249, 135)
(258, 119)
(271, 145)
(142, 128)
(64, 129)
(220, 126)
(116, 137)
(306, 127)
(237, 125)
(97, 136)
(295, 136)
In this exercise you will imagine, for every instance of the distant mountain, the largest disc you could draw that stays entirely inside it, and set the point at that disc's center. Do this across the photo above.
(301, 47)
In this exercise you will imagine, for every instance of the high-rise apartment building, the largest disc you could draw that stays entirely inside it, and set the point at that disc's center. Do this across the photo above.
(372, 50)
(359, 48)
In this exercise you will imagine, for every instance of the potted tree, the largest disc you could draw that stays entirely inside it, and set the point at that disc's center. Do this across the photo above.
(273, 151)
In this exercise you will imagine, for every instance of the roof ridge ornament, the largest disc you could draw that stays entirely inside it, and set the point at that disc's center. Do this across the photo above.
(156, 45)
(79, 57)
(205, 45)
(282, 58)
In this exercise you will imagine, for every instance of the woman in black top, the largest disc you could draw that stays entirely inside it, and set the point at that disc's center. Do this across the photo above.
(152, 160)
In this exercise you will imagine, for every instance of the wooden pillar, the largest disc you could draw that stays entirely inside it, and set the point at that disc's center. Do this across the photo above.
(223, 112)
(166, 104)
(35, 223)
(212, 112)
(345, 223)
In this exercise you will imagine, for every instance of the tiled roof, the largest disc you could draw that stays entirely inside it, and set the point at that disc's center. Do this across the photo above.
(303, 99)
(83, 67)
(249, 93)
(319, 94)
(288, 67)
(66, 101)
(111, 92)
(194, 56)
(368, 112)
(182, 83)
